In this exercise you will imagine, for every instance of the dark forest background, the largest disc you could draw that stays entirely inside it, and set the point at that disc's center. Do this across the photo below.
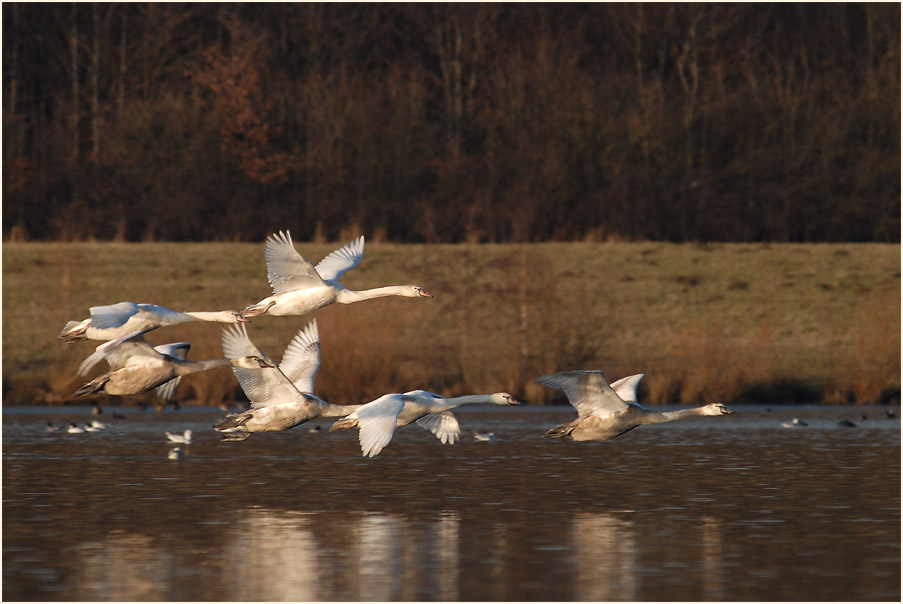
(452, 122)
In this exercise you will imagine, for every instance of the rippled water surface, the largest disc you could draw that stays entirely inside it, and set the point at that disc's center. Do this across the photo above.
(724, 508)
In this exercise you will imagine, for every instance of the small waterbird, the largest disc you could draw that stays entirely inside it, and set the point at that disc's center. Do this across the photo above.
(184, 438)
(487, 437)
(175, 454)
(794, 423)
(73, 429)
(50, 427)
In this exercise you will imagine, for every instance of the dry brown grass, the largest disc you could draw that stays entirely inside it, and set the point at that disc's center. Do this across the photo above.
(726, 322)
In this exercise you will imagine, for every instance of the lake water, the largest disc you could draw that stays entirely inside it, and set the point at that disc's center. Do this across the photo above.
(722, 508)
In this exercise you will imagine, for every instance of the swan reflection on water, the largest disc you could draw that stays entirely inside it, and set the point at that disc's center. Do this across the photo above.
(278, 555)
(275, 555)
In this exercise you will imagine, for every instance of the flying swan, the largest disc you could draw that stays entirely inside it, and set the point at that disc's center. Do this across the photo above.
(607, 411)
(117, 320)
(300, 288)
(136, 366)
(281, 396)
(430, 411)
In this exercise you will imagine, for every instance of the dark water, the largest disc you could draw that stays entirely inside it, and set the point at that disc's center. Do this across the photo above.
(723, 508)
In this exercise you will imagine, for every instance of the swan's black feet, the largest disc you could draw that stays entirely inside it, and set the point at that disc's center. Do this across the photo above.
(235, 436)
(255, 310)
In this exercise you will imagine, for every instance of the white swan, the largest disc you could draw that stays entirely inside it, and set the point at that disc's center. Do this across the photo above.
(431, 411)
(281, 397)
(116, 320)
(299, 287)
(184, 438)
(602, 413)
(136, 366)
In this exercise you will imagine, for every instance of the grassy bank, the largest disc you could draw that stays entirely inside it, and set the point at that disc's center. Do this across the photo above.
(734, 322)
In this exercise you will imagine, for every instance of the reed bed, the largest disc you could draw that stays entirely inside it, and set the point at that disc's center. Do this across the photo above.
(732, 322)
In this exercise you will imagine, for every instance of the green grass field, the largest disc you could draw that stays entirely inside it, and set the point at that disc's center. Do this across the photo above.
(733, 322)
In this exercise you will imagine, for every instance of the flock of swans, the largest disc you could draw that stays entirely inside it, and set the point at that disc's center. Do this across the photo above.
(282, 395)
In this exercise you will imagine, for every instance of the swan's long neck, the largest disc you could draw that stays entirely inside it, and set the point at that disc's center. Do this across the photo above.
(658, 417)
(340, 410)
(469, 399)
(187, 367)
(221, 316)
(349, 296)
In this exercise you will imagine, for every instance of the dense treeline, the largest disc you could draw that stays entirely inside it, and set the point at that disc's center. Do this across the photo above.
(452, 122)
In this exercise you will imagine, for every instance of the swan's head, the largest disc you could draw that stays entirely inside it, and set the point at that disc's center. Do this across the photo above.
(252, 362)
(716, 409)
(415, 291)
(503, 398)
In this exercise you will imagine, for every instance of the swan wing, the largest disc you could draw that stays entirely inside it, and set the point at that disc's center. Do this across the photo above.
(178, 350)
(444, 425)
(341, 260)
(287, 270)
(167, 389)
(263, 386)
(113, 315)
(626, 387)
(377, 423)
(424, 396)
(117, 352)
(588, 391)
(302, 358)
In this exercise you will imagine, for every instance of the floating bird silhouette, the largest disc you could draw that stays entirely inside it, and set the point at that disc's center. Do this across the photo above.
(794, 423)
(300, 288)
(136, 366)
(184, 438)
(175, 454)
(487, 437)
(73, 429)
(117, 320)
(603, 413)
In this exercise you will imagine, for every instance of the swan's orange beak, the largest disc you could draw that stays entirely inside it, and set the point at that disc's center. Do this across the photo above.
(425, 293)
(513, 401)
